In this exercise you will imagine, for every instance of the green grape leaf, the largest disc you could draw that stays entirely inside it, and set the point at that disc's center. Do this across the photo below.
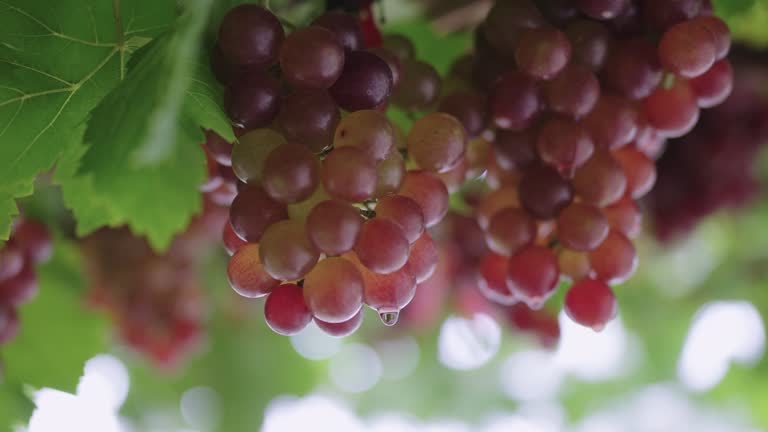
(729, 8)
(144, 163)
(57, 61)
(57, 333)
(15, 406)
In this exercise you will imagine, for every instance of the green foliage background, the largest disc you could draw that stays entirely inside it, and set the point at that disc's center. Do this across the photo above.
(113, 104)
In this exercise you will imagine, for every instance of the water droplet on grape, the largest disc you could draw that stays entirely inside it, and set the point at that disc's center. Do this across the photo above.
(389, 318)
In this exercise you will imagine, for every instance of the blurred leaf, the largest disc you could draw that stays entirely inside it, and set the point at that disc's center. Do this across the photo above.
(57, 334)
(15, 406)
(729, 8)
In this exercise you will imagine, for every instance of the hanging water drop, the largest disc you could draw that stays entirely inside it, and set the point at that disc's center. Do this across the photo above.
(389, 318)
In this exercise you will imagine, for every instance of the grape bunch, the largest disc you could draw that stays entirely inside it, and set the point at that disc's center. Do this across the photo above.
(30, 244)
(571, 102)
(712, 167)
(155, 300)
(327, 217)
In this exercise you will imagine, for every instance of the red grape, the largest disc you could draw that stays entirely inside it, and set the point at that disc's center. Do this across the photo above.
(582, 227)
(250, 35)
(615, 259)
(349, 174)
(285, 311)
(333, 290)
(333, 227)
(429, 193)
(285, 251)
(382, 246)
(492, 281)
(591, 303)
(509, 230)
(543, 52)
(247, 275)
(341, 329)
(532, 275)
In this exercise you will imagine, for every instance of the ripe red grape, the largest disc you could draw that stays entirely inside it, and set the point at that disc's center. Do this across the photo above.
(633, 68)
(492, 279)
(615, 259)
(252, 101)
(341, 329)
(437, 142)
(285, 311)
(612, 122)
(249, 154)
(673, 110)
(429, 193)
(333, 227)
(311, 57)
(349, 174)
(333, 290)
(382, 246)
(309, 117)
(624, 216)
(390, 173)
(543, 52)
(505, 196)
(713, 86)
(720, 32)
(469, 109)
(514, 101)
(543, 192)
(344, 26)
(565, 145)
(246, 274)
(253, 211)
(509, 230)
(573, 265)
(601, 181)
(403, 211)
(639, 169)
(400, 45)
(532, 275)
(365, 82)
(590, 43)
(291, 173)
(423, 257)
(591, 303)
(419, 86)
(368, 130)
(250, 35)
(573, 92)
(286, 252)
(582, 227)
(506, 20)
(515, 150)
(687, 49)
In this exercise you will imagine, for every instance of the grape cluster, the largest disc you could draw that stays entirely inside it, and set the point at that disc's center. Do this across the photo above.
(327, 217)
(712, 167)
(155, 300)
(30, 244)
(579, 100)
